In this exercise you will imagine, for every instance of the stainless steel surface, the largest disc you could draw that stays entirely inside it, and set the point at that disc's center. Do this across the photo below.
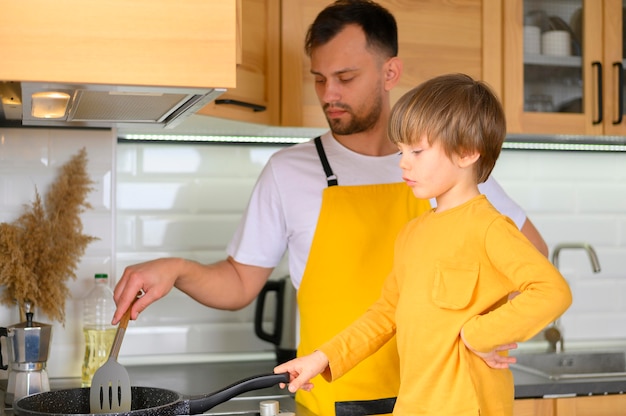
(574, 365)
(27, 345)
(269, 407)
(30, 342)
(99, 105)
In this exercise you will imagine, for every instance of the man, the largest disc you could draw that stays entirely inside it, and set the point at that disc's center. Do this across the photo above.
(335, 204)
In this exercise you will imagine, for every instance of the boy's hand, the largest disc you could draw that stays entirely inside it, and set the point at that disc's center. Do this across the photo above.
(492, 358)
(302, 370)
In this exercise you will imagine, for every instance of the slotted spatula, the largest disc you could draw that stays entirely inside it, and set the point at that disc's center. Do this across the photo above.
(110, 385)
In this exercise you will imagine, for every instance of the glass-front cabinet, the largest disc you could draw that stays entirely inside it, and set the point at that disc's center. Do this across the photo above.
(564, 66)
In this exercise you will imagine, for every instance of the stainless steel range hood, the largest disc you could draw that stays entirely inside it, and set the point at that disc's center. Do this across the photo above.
(95, 105)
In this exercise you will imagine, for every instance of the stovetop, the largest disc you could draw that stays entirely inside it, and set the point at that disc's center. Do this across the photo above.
(199, 379)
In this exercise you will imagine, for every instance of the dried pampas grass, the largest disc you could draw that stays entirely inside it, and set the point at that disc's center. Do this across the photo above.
(40, 250)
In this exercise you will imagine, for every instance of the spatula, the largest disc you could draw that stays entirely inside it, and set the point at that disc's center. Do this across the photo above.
(110, 385)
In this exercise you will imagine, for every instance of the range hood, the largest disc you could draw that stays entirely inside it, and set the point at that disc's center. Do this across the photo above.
(103, 106)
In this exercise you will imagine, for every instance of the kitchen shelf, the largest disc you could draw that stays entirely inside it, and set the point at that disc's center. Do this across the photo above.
(549, 60)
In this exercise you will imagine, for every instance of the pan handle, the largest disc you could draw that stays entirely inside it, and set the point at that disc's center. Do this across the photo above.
(202, 403)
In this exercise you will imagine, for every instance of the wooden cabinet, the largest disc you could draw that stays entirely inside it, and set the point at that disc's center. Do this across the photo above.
(534, 407)
(609, 405)
(613, 59)
(435, 37)
(256, 98)
(581, 93)
(142, 42)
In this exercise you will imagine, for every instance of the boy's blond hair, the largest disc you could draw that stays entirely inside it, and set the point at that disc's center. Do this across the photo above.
(454, 109)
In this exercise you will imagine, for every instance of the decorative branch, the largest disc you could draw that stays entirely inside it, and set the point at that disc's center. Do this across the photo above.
(41, 249)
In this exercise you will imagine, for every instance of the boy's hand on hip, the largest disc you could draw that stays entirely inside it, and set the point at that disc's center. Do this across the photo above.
(493, 358)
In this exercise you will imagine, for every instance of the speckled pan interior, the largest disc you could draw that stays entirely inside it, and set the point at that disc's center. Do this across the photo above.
(146, 401)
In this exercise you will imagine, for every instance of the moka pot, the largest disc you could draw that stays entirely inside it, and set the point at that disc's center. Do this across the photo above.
(28, 344)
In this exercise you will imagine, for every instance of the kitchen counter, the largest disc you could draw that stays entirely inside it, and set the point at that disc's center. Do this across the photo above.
(202, 378)
(208, 377)
(534, 386)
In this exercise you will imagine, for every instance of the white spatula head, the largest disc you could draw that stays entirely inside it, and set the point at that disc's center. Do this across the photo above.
(110, 389)
(110, 386)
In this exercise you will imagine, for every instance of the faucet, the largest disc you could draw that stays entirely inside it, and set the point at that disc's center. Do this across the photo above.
(552, 334)
(593, 257)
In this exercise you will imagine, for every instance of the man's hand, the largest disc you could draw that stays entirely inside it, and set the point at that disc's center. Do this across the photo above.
(153, 278)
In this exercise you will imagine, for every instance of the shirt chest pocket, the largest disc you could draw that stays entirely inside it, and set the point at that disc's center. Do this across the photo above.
(454, 284)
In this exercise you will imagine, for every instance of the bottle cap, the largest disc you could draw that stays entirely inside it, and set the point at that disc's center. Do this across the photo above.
(101, 276)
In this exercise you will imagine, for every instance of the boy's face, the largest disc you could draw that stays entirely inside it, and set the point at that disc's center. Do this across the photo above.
(431, 173)
(349, 82)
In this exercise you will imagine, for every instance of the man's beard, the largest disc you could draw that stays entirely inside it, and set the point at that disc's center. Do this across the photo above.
(356, 123)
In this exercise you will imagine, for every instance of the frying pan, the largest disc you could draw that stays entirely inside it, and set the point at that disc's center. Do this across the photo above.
(146, 401)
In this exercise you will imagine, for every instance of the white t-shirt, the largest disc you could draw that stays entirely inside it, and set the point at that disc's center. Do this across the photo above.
(285, 204)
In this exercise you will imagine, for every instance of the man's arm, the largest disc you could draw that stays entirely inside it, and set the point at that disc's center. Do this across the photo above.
(529, 230)
(226, 284)
(503, 203)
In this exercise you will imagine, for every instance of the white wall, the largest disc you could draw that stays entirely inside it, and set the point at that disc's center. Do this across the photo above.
(31, 158)
(185, 201)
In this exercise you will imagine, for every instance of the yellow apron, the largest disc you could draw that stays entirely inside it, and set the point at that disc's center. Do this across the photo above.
(351, 255)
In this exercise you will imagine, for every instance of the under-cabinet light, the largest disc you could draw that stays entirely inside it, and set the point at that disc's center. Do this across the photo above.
(588, 147)
(514, 142)
(215, 139)
(49, 104)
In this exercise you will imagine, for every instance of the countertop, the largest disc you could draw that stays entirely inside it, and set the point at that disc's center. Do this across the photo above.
(205, 378)
(191, 379)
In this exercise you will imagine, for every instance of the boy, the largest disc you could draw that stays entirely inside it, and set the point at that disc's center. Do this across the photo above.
(446, 298)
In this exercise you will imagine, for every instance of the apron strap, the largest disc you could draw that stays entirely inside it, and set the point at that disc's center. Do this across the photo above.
(365, 407)
(330, 176)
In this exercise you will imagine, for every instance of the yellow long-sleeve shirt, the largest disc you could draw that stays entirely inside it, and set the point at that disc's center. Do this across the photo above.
(454, 270)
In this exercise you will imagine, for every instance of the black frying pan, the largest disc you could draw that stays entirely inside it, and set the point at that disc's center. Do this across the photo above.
(146, 401)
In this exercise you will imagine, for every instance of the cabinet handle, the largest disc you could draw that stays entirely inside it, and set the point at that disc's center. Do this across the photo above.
(255, 107)
(598, 65)
(620, 92)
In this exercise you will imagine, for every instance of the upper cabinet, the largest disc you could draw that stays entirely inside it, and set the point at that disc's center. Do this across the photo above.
(256, 98)
(435, 37)
(563, 66)
(274, 84)
(141, 42)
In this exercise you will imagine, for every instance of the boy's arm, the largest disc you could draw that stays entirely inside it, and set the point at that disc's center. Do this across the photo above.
(544, 295)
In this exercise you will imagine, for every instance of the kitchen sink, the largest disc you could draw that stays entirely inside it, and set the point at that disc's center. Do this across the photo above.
(573, 365)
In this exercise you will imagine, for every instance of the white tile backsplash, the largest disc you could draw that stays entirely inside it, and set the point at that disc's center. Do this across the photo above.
(156, 200)
(29, 159)
(570, 196)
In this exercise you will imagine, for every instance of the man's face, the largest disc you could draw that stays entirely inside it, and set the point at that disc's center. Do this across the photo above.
(348, 82)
